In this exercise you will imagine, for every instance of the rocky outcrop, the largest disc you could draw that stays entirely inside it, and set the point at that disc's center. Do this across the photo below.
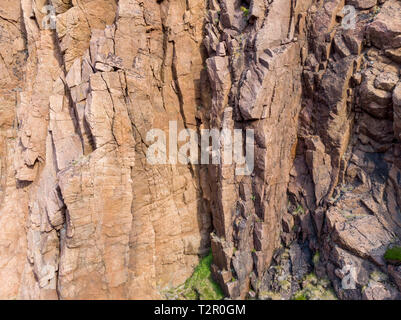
(85, 215)
(263, 56)
(90, 217)
(355, 219)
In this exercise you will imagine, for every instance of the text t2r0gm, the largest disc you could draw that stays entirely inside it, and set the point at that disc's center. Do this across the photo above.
(213, 309)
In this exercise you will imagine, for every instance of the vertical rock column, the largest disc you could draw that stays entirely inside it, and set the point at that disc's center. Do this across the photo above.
(254, 69)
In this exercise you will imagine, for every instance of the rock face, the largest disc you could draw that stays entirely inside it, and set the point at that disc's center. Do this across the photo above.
(352, 203)
(85, 215)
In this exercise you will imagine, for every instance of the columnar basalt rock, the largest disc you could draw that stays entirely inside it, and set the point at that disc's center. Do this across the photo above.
(14, 204)
(85, 215)
(96, 220)
(352, 87)
(263, 93)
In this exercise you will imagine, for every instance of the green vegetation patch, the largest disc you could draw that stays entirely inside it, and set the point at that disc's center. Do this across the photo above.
(314, 288)
(299, 211)
(200, 286)
(300, 296)
(245, 11)
(316, 258)
(393, 254)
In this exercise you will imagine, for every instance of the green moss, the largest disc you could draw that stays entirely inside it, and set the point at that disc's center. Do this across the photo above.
(314, 288)
(345, 188)
(300, 296)
(378, 276)
(201, 285)
(310, 278)
(285, 285)
(245, 11)
(393, 254)
(298, 211)
(278, 268)
(316, 258)
(376, 10)
(286, 254)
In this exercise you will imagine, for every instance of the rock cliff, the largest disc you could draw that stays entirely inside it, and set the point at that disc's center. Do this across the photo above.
(85, 215)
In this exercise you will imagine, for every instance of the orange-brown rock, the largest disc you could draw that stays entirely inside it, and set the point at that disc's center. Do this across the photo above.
(85, 215)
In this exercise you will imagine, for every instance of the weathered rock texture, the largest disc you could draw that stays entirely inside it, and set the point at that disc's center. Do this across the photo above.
(84, 215)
